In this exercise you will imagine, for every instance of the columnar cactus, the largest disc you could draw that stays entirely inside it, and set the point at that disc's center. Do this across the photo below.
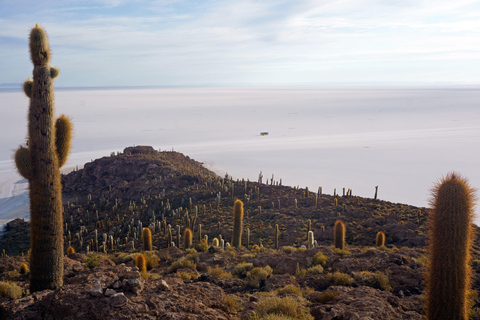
(169, 236)
(380, 239)
(39, 162)
(275, 240)
(309, 226)
(311, 240)
(187, 238)
(237, 223)
(451, 237)
(339, 235)
(141, 263)
(147, 239)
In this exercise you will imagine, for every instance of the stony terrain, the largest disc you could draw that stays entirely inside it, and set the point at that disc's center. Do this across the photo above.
(111, 199)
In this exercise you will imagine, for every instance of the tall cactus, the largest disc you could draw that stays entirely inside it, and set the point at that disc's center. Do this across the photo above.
(39, 162)
(451, 236)
(339, 235)
(237, 223)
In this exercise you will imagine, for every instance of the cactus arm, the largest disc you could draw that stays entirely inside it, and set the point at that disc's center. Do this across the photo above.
(54, 72)
(63, 136)
(23, 161)
(27, 87)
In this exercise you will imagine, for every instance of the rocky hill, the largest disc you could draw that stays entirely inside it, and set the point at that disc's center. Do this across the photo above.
(110, 200)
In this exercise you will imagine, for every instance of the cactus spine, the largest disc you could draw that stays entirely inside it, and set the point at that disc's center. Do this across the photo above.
(339, 235)
(380, 239)
(187, 238)
(147, 239)
(451, 236)
(237, 223)
(47, 151)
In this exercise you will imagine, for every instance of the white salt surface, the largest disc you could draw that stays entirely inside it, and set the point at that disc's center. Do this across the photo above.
(402, 139)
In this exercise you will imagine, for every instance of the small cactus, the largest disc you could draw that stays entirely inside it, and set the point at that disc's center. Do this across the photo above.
(70, 250)
(380, 239)
(147, 239)
(141, 263)
(339, 235)
(23, 268)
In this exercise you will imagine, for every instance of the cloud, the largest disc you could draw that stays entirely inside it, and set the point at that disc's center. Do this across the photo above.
(225, 40)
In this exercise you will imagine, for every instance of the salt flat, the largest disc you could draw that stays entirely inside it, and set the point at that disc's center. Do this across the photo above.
(401, 138)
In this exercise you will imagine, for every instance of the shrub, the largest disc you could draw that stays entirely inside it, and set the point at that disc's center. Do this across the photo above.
(289, 249)
(376, 280)
(202, 246)
(188, 275)
(92, 261)
(300, 272)
(339, 279)
(341, 252)
(152, 259)
(289, 289)
(219, 272)
(286, 306)
(242, 268)
(232, 304)
(319, 259)
(326, 296)
(10, 290)
(181, 263)
(315, 269)
(257, 276)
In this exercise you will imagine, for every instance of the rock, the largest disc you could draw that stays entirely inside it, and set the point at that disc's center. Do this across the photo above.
(163, 286)
(135, 285)
(110, 292)
(118, 300)
(96, 290)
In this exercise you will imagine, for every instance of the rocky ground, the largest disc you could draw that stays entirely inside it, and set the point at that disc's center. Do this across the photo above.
(111, 199)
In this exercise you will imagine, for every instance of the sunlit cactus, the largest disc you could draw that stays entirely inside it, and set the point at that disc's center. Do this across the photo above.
(451, 237)
(141, 263)
(380, 239)
(39, 162)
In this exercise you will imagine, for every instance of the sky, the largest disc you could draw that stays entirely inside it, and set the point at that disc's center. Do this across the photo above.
(231, 42)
